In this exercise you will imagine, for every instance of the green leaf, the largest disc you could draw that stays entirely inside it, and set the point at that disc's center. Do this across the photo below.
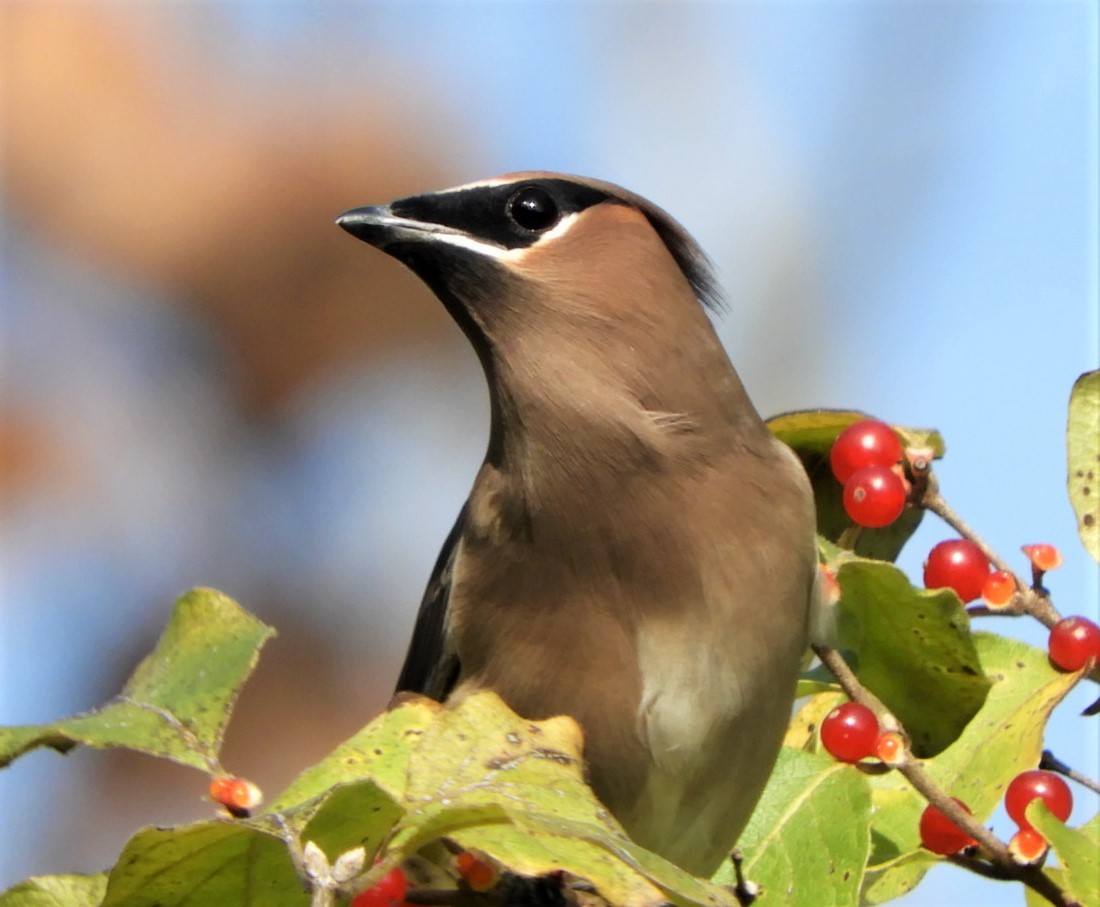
(1083, 459)
(57, 891)
(223, 862)
(913, 649)
(811, 434)
(176, 704)
(1003, 739)
(807, 841)
(811, 686)
(1078, 851)
(359, 814)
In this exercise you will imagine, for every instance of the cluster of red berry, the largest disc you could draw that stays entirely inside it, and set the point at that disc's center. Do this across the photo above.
(866, 460)
(942, 836)
(959, 564)
(851, 732)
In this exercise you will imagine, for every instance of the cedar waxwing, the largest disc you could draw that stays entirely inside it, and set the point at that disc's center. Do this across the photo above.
(638, 550)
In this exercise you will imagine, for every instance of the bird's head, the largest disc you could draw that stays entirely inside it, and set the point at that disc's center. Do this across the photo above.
(578, 296)
(519, 253)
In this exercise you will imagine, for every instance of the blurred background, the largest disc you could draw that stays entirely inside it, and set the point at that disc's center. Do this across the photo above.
(205, 382)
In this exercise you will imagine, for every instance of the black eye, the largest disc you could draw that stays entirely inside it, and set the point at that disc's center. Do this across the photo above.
(533, 208)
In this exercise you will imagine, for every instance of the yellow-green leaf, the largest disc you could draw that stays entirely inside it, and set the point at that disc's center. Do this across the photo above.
(380, 752)
(57, 891)
(178, 700)
(1078, 851)
(1083, 458)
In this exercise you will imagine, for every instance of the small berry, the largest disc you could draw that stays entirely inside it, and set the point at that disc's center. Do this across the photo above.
(998, 589)
(939, 834)
(865, 443)
(849, 732)
(1043, 557)
(957, 564)
(389, 891)
(874, 496)
(890, 748)
(1037, 785)
(479, 874)
(1027, 846)
(828, 585)
(1073, 641)
(238, 795)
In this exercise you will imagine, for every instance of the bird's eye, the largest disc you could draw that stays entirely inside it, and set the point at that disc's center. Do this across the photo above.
(534, 209)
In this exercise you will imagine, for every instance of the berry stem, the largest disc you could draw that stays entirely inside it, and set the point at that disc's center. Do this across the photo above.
(1000, 863)
(746, 891)
(1051, 763)
(1028, 600)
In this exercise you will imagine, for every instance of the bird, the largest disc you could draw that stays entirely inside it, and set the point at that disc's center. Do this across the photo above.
(637, 550)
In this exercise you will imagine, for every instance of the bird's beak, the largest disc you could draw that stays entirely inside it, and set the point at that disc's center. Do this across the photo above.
(379, 226)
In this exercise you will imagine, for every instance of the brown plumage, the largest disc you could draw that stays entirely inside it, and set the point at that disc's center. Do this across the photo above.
(637, 550)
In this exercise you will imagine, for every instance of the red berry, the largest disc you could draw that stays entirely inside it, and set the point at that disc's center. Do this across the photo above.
(866, 443)
(890, 748)
(1043, 557)
(874, 496)
(389, 891)
(998, 589)
(1027, 846)
(1038, 785)
(957, 564)
(849, 732)
(1073, 641)
(939, 834)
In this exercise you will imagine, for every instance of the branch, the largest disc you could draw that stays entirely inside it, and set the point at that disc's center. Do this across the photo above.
(993, 849)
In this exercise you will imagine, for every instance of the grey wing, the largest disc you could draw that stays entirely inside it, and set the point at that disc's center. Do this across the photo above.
(431, 665)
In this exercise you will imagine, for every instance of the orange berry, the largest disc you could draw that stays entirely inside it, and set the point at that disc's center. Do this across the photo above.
(479, 874)
(890, 748)
(1027, 846)
(830, 588)
(1043, 557)
(238, 795)
(998, 589)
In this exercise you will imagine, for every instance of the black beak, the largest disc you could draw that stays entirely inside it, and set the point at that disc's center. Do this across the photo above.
(379, 226)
